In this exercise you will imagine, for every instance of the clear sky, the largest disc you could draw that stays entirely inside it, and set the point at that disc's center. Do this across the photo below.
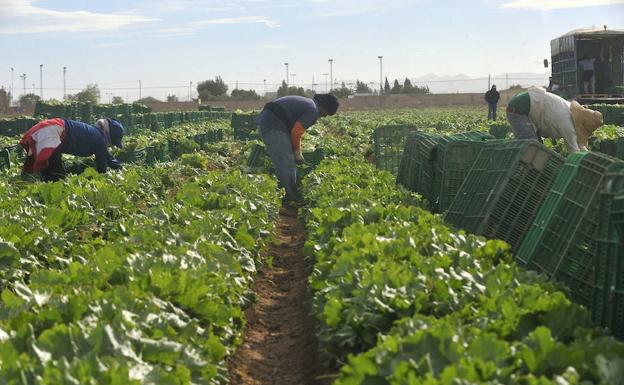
(114, 43)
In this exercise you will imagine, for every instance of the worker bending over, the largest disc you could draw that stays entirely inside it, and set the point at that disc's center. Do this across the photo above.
(536, 113)
(45, 143)
(281, 124)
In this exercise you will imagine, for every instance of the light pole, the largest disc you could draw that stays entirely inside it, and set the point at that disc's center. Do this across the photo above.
(64, 83)
(11, 96)
(286, 64)
(380, 74)
(331, 74)
(191, 91)
(41, 81)
(23, 77)
(139, 90)
(264, 83)
(325, 74)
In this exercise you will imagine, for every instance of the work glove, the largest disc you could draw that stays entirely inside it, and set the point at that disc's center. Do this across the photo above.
(299, 157)
(114, 164)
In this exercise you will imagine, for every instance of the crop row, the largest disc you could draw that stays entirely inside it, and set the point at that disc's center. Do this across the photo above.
(133, 277)
(403, 299)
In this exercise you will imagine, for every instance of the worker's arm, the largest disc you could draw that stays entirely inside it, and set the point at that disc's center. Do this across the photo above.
(296, 134)
(113, 163)
(568, 133)
(101, 157)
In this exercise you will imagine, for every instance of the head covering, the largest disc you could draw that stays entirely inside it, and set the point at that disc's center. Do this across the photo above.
(112, 130)
(493, 85)
(116, 132)
(585, 121)
(328, 101)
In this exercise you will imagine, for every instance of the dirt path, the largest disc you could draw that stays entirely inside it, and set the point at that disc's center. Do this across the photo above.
(280, 347)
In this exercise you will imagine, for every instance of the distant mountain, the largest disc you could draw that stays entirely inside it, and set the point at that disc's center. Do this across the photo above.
(461, 83)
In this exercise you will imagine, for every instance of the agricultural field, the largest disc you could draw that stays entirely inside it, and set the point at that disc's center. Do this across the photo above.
(182, 268)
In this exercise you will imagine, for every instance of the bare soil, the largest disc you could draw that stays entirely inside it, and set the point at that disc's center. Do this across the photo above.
(280, 345)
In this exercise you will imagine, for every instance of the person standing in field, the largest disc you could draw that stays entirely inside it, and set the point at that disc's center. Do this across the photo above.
(281, 124)
(536, 113)
(589, 79)
(492, 97)
(45, 142)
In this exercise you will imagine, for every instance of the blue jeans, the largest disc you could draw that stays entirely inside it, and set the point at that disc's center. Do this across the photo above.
(492, 111)
(279, 147)
(521, 126)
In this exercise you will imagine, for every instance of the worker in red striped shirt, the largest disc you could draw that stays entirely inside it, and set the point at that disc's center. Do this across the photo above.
(281, 124)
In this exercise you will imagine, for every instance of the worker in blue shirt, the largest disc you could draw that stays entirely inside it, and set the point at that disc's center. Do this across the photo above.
(45, 143)
(281, 125)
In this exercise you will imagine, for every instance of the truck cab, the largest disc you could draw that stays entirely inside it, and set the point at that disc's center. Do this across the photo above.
(574, 55)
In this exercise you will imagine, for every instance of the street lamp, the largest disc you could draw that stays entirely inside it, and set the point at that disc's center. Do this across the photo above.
(325, 74)
(64, 83)
(331, 74)
(23, 77)
(191, 91)
(286, 64)
(11, 95)
(41, 81)
(264, 82)
(380, 74)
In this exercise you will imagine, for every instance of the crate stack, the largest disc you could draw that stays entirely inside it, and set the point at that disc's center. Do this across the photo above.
(453, 161)
(504, 190)
(607, 305)
(244, 125)
(415, 171)
(561, 240)
(388, 143)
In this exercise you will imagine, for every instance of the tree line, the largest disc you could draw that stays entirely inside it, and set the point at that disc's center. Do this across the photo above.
(216, 89)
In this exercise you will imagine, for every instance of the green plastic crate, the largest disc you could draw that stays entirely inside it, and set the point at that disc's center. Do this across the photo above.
(613, 147)
(389, 142)
(453, 161)
(562, 240)
(504, 189)
(416, 166)
(5, 159)
(244, 125)
(405, 164)
(607, 305)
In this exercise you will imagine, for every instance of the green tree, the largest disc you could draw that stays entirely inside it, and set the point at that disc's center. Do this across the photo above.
(396, 88)
(343, 91)
(211, 89)
(408, 88)
(387, 87)
(285, 90)
(244, 95)
(172, 98)
(147, 99)
(28, 101)
(4, 101)
(362, 88)
(117, 100)
(90, 94)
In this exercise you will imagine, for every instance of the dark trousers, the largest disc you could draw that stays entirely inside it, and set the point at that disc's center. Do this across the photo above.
(492, 111)
(56, 169)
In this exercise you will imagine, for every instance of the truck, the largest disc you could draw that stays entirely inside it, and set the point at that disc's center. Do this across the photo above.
(606, 48)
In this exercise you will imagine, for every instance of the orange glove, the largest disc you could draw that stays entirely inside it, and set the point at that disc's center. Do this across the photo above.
(295, 136)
